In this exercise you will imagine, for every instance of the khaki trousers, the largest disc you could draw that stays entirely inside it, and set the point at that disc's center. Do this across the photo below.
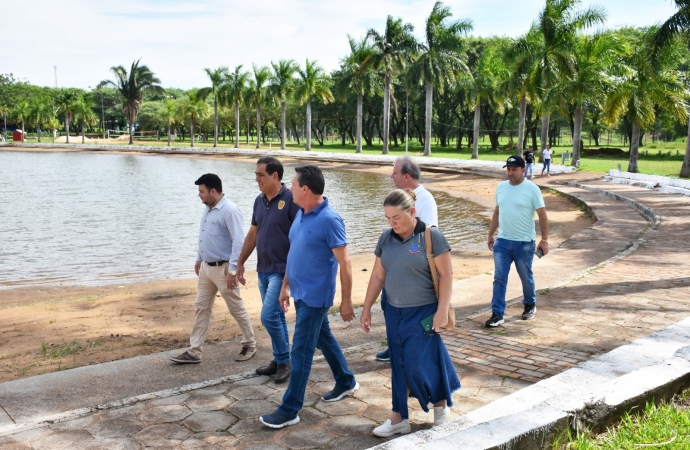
(211, 280)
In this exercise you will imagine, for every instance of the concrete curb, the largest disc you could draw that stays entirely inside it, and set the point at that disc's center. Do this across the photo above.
(665, 184)
(592, 395)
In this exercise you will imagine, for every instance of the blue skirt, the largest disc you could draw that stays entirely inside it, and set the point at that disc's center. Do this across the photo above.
(418, 362)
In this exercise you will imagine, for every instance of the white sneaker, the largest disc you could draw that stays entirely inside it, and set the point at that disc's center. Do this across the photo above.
(388, 429)
(441, 414)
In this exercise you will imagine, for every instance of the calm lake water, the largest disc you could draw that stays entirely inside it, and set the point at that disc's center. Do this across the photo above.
(91, 219)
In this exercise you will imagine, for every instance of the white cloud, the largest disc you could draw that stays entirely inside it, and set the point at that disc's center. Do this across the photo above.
(178, 38)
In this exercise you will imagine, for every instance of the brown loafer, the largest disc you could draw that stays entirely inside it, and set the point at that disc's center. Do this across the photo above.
(283, 373)
(270, 369)
(245, 354)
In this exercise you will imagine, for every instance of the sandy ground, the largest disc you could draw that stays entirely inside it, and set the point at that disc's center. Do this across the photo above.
(55, 328)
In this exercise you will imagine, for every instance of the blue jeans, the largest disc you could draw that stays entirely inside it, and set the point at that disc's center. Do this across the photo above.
(529, 172)
(311, 332)
(547, 166)
(272, 315)
(505, 253)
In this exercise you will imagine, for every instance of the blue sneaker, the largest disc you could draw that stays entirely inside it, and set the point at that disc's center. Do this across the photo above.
(383, 355)
(338, 392)
(277, 420)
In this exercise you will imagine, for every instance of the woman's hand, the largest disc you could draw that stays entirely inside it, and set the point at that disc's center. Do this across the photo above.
(440, 320)
(365, 320)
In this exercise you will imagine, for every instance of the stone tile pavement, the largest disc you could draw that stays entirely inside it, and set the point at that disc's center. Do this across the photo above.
(636, 281)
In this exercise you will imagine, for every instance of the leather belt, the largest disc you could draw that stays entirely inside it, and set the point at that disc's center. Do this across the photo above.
(215, 263)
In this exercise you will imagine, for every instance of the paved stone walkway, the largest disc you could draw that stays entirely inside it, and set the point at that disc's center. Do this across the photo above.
(592, 305)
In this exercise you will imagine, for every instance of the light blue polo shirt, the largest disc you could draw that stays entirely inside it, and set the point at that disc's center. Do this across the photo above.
(516, 207)
(311, 264)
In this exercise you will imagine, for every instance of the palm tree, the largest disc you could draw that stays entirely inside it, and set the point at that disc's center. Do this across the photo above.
(132, 86)
(645, 85)
(313, 82)
(169, 115)
(233, 92)
(41, 112)
(53, 124)
(218, 77)
(282, 85)
(594, 60)
(487, 86)
(358, 76)
(523, 61)
(394, 49)
(256, 95)
(4, 109)
(195, 108)
(557, 26)
(66, 99)
(676, 25)
(21, 113)
(84, 115)
(441, 59)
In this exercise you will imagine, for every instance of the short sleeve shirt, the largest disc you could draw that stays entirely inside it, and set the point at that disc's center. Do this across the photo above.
(311, 264)
(408, 276)
(425, 206)
(273, 220)
(546, 154)
(516, 207)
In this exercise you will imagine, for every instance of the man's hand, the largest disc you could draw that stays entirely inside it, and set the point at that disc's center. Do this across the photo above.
(347, 311)
(490, 242)
(284, 298)
(544, 246)
(231, 281)
(197, 267)
(240, 274)
(365, 320)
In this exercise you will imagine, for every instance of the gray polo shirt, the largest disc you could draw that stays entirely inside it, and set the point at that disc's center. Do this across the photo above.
(408, 276)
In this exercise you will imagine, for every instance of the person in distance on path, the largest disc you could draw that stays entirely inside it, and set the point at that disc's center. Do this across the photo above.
(318, 245)
(516, 201)
(221, 236)
(272, 218)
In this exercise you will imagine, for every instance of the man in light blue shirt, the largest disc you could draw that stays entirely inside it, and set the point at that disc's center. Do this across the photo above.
(516, 201)
(221, 236)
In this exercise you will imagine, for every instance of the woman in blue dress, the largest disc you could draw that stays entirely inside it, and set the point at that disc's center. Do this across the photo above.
(420, 364)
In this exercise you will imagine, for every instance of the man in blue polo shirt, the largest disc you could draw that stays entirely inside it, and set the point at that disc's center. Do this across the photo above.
(318, 245)
(272, 218)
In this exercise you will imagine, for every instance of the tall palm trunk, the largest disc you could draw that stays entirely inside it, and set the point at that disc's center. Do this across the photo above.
(521, 126)
(577, 135)
(169, 134)
(258, 126)
(191, 129)
(23, 132)
(386, 112)
(634, 148)
(237, 124)
(307, 136)
(427, 119)
(544, 130)
(360, 101)
(83, 138)
(67, 128)
(131, 127)
(282, 125)
(215, 123)
(475, 132)
(38, 130)
(685, 168)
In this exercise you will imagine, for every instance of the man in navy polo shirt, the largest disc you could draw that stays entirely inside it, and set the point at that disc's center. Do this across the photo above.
(317, 246)
(273, 214)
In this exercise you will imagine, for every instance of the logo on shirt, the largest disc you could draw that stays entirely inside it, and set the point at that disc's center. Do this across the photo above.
(281, 204)
(414, 249)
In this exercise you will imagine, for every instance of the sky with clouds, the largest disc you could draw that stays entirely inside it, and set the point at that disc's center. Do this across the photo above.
(178, 38)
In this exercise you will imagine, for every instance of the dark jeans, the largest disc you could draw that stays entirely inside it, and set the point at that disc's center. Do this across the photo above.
(505, 253)
(311, 332)
(272, 315)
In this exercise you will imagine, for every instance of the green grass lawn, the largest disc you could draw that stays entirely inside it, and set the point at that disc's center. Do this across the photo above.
(665, 426)
(659, 158)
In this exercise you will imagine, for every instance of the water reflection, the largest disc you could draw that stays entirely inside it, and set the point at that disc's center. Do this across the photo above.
(80, 218)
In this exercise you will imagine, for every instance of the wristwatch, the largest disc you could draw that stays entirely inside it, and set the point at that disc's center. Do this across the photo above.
(232, 272)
